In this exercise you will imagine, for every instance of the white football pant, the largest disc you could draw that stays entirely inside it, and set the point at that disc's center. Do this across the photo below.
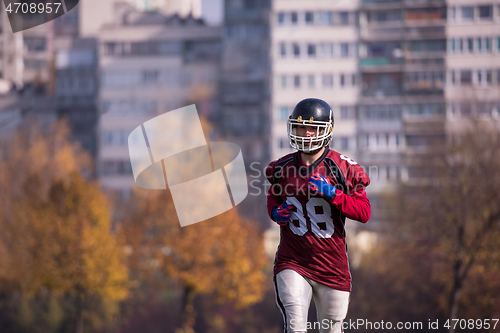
(293, 297)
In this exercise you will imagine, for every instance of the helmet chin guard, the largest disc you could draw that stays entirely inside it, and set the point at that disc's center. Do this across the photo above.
(317, 114)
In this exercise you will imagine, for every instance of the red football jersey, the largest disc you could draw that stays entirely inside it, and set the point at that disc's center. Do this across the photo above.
(313, 243)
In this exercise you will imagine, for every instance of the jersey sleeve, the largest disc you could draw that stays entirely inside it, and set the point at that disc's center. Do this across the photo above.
(354, 204)
(357, 179)
(273, 198)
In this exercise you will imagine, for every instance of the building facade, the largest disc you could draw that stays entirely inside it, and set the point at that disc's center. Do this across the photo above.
(245, 94)
(472, 62)
(314, 54)
(76, 90)
(149, 64)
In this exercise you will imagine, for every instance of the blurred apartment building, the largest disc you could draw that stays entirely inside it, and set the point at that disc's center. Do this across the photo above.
(76, 88)
(26, 56)
(314, 54)
(96, 13)
(402, 107)
(472, 62)
(425, 65)
(11, 50)
(149, 64)
(245, 93)
(26, 75)
(399, 74)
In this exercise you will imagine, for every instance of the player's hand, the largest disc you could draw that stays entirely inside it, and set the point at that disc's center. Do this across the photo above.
(282, 213)
(319, 185)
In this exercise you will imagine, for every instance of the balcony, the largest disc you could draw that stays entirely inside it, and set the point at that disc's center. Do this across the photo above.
(381, 4)
(385, 64)
(410, 31)
(405, 3)
(381, 33)
(380, 61)
(380, 1)
(424, 3)
(424, 32)
(424, 88)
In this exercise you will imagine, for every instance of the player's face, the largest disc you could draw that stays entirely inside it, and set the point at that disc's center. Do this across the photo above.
(306, 131)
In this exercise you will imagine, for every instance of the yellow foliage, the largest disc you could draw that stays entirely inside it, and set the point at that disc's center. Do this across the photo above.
(224, 254)
(56, 230)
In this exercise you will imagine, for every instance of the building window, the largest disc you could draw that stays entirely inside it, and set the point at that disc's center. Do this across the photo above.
(452, 13)
(310, 81)
(296, 50)
(327, 50)
(451, 46)
(311, 50)
(327, 80)
(485, 12)
(283, 113)
(116, 167)
(35, 44)
(309, 18)
(296, 81)
(344, 18)
(465, 77)
(488, 76)
(294, 17)
(484, 77)
(454, 79)
(107, 138)
(150, 76)
(342, 80)
(283, 81)
(235, 31)
(35, 64)
(347, 112)
(470, 45)
(325, 18)
(281, 18)
(283, 50)
(467, 13)
(344, 50)
(344, 143)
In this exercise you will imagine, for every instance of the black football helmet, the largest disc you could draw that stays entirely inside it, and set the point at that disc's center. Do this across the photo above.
(311, 112)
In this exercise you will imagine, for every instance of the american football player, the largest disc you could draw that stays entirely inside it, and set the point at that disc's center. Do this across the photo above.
(312, 192)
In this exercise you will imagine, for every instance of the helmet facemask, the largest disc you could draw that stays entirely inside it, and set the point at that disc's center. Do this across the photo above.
(322, 138)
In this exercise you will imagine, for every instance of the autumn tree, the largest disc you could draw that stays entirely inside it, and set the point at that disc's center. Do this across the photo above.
(56, 235)
(223, 255)
(438, 258)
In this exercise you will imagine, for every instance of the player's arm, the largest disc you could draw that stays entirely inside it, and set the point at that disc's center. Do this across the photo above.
(355, 206)
(277, 209)
(273, 197)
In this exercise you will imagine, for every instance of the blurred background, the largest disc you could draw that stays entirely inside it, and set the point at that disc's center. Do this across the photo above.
(415, 89)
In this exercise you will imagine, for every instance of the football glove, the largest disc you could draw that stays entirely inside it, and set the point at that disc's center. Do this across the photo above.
(282, 213)
(319, 185)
